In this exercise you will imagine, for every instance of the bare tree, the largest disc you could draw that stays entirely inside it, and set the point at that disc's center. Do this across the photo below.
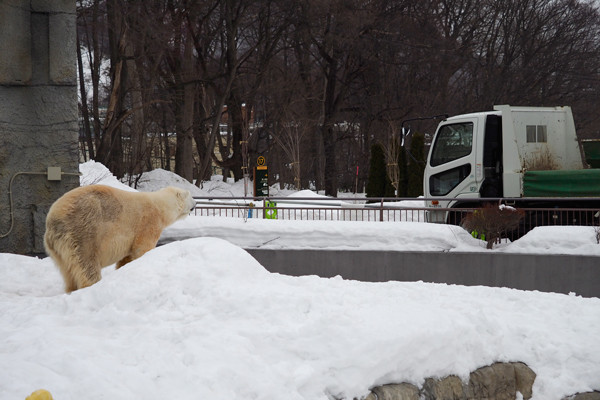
(91, 49)
(349, 70)
(331, 33)
(290, 131)
(392, 149)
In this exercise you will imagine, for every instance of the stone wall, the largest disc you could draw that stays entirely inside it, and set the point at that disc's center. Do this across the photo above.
(558, 273)
(38, 116)
(499, 381)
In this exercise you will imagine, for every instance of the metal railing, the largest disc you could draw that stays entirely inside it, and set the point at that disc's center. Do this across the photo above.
(549, 211)
(310, 208)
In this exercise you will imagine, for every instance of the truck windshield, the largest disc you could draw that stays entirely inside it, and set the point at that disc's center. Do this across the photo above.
(452, 142)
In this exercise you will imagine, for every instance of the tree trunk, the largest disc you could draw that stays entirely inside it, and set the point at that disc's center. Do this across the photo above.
(84, 109)
(184, 159)
(139, 140)
(110, 150)
(328, 133)
(236, 120)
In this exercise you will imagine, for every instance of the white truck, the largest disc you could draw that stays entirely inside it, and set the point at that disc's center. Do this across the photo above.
(511, 152)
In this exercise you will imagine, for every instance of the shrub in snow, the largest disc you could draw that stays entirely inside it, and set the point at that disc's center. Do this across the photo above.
(378, 183)
(492, 221)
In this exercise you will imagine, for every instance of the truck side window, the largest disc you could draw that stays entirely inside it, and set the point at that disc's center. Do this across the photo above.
(536, 134)
(441, 184)
(452, 142)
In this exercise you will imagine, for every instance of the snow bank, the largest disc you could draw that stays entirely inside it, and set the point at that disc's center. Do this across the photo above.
(94, 173)
(202, 319)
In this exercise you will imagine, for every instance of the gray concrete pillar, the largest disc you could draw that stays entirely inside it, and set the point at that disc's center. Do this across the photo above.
(38, 116)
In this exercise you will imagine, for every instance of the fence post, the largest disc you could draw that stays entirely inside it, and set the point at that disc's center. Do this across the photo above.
(381, 211)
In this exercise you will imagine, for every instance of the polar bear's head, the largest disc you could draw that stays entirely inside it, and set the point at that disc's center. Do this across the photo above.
(185, 203)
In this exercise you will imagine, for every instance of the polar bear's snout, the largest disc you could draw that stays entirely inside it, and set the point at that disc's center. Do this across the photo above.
(191, 203)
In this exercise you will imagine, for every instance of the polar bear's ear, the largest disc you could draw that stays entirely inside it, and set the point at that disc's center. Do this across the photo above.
(182, 194)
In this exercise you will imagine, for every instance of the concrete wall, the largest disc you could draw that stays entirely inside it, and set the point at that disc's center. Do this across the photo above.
(546, 273)
(38, 115)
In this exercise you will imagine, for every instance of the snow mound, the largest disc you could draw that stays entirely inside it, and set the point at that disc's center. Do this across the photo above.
(338, 235)
(95, 173)
(307, 193)
(160, 178)
(188, 267)
(218, 188)
(28, 276)
(557, 240)
(201, 318)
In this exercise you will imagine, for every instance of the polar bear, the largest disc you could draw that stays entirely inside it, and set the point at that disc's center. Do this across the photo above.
(95, 226)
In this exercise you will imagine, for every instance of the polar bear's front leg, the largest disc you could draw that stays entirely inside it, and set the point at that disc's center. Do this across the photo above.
(140, 247)
(124, 261)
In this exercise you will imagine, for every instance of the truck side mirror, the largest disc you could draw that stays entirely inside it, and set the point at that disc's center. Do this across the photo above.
(405, 133)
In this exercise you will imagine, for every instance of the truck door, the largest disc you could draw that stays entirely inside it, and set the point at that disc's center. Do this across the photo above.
(452, 160)
(492, 158)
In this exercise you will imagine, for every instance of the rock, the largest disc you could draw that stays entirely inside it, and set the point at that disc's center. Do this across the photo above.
(401, 391)
(495, 382)
(449, 388)
(501, 381)
(525, 378)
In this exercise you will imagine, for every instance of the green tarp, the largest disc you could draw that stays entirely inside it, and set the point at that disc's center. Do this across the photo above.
(572, 183)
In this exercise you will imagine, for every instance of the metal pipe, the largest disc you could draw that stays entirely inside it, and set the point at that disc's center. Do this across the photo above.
(10, 196)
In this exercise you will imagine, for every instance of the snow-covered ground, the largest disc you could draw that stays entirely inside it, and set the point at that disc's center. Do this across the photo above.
(200, 318)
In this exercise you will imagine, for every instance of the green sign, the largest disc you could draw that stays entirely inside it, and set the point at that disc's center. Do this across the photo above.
(270, 210)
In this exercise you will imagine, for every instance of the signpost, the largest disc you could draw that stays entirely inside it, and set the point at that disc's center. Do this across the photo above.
(261, 181)
(261, 187)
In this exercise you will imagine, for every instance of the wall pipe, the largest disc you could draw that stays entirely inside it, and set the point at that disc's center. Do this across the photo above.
(10, 197)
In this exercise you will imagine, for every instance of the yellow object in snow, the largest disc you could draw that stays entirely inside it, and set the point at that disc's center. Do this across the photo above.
(477, 235)
(40, 395)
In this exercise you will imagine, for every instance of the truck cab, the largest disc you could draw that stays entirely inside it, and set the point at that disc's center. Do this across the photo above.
(485, 154)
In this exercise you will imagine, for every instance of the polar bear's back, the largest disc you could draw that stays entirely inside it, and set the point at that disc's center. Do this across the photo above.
(88, 215)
